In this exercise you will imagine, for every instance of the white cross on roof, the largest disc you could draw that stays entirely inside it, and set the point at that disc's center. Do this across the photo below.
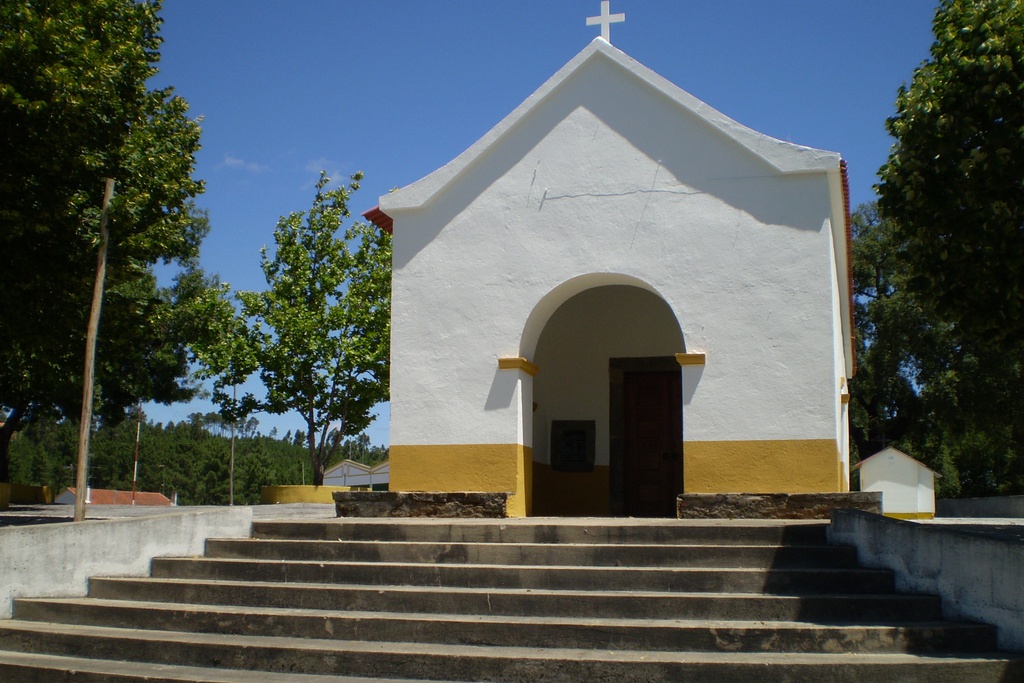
(606, 19)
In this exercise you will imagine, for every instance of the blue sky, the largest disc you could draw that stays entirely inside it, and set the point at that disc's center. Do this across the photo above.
(397, 88)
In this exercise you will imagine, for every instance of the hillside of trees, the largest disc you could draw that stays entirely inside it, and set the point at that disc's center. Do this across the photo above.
(190, 457)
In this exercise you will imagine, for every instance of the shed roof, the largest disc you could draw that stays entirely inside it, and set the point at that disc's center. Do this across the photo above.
(896, 451)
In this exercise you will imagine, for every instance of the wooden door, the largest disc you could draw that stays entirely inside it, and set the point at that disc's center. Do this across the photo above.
(654, 462)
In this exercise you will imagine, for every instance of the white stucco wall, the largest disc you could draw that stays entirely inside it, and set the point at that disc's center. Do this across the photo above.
(842, 407)
(585, 184)
(925, 491)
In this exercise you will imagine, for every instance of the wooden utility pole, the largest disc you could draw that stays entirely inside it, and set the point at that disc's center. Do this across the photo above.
(85, 428)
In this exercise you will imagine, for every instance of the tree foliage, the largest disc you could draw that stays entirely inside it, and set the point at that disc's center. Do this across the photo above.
(74, 109)
(320, 333)
(953, 185)
(925, 386)
(188, 458)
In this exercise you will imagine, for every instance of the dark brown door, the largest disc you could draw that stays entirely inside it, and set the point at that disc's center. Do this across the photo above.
(654, 462)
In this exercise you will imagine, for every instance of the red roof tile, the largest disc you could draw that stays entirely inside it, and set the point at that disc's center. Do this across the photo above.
(113, 497)
(380, 219)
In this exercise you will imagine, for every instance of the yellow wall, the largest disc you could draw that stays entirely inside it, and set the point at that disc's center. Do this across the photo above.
(791, 466)
(785, 466)
(299, 494)
(24, 494)
(570, 494)
(466, 467)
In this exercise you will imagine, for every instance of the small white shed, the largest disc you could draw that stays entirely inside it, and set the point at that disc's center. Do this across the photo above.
(907, 485)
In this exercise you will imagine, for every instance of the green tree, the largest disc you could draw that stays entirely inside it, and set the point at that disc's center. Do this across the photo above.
(320, 334)
(953, 184)
(891, 327)
(924, 386)
(187, 458)
(898, 342)
(74, 109)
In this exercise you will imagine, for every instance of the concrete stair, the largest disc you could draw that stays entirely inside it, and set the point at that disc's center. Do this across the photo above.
(508, 600)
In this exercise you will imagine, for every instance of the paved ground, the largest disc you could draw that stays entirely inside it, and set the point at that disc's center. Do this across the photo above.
(1006, 529)
(20, 515)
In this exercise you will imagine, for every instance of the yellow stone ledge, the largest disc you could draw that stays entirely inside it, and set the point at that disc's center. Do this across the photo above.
(518, 364)
(909, 515)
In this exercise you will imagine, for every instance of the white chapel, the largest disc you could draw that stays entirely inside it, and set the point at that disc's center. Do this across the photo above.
(617, 295)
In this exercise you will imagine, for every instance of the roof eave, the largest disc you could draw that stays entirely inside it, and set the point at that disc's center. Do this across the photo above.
(380, 219)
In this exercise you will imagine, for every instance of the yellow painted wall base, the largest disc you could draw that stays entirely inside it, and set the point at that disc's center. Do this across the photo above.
(30, 495)
(570, 494)
(270, 495)
(910, 515)
(784, 466)
(466, 467)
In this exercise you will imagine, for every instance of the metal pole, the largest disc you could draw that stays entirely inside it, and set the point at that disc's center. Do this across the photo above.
(85, 428)
(135, 470)
(231, 467)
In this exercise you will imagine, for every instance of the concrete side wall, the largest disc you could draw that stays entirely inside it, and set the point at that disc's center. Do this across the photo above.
(57, 560)
(996, 506)
(979, 578)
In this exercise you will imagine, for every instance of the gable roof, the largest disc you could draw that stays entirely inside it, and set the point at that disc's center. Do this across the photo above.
(353, 467)
(347, 465)
(783, 157)
(896, 451)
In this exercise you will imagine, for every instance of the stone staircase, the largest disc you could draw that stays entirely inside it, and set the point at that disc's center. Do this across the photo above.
(508, 600)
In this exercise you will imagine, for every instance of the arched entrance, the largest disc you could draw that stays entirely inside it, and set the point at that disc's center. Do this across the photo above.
(607, 403)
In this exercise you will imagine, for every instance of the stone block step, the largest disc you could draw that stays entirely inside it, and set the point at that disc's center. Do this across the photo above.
(532, 530)
(546, 554)
(522, 631)
(507, 664)
(633, 604)
(23, 667)
(786, 581)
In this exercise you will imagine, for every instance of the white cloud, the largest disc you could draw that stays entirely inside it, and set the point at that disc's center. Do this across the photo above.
(333, 170)
(250, 166)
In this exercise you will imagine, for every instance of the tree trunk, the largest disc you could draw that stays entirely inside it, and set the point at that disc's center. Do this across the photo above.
(314, 456)
(88, 384)
(6, 433)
